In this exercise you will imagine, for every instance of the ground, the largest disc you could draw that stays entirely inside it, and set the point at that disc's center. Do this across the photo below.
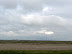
(35, 45)
(21, 46)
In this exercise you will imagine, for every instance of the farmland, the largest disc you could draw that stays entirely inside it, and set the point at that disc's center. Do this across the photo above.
(35, 52)
(34, 42)
(35, 47)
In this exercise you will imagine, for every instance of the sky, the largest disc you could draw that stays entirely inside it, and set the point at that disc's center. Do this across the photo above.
(36, 20)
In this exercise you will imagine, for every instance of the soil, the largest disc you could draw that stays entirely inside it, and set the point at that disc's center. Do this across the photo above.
(19, 46)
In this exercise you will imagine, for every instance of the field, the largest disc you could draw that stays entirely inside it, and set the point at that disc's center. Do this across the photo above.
(20, 46)
(35, 42)
(35, 52)
(35, 47)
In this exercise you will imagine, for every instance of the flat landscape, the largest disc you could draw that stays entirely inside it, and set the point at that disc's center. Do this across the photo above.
(18, 46)
(35, 45)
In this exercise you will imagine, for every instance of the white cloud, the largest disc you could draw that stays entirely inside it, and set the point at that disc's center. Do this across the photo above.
(43, 20)
(9, 33)
(45, 9)
(49, 32)
(45, 32)
(31, 19)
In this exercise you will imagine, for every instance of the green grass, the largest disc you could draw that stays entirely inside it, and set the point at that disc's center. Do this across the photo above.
(35, 52)
(36, 42)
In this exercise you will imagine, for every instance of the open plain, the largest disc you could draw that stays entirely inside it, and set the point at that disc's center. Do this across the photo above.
(35, 45)
(18, 46)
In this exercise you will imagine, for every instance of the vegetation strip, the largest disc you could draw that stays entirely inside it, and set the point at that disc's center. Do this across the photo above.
(35, 52)
(35, 42)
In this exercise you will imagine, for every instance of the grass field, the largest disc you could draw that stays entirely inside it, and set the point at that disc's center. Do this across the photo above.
(35, 52)
(36, 42)
(35, 47)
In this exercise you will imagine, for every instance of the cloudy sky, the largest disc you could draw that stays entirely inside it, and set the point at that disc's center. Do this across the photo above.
(36, 20)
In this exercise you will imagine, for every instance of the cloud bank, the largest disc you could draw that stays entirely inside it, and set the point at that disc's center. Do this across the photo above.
(35, 19)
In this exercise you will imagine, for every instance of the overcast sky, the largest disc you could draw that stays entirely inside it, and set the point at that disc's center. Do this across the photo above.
(36, 20)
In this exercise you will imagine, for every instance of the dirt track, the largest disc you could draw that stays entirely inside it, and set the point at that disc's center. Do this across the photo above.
(35, 46)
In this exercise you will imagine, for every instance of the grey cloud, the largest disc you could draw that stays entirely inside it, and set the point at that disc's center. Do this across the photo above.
(57, 2)
(32, 5)
(22, 18)
(8, 3)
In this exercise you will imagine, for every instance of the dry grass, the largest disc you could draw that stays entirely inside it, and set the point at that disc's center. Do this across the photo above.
(27, 46)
